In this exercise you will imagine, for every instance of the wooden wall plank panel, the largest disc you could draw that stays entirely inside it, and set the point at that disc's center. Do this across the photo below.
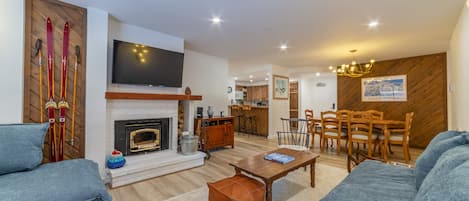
(426, 94)
(37, 12)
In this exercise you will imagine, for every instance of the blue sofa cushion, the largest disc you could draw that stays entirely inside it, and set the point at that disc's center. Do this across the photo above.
(76, 180)
(453, 186)
(438, 146)
(443, 136)
(21, 146)
(375, 181)
(444, 166)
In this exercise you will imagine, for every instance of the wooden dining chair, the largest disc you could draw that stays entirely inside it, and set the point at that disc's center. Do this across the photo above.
(360, 131)
(400, 136)
(312, 126)
(331, 129)
(375, 114)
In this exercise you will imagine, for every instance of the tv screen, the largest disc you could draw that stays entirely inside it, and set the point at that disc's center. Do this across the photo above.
(143, 65)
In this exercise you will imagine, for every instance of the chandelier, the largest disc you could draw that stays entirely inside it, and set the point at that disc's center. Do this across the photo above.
(353, 69)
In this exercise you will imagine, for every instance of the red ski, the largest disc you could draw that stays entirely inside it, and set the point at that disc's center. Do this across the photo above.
(51, 105)
(63, 104)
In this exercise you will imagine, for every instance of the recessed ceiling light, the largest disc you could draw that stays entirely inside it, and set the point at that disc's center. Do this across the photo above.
(216, 20)
(373, 24)
(250, 80)
(331, 67)
(235, 78)
(318, 74)
(283, 47)
(266, 79)
(250, 76)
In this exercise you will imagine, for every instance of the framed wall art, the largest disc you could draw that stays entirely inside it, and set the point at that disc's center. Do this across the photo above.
(384, 89)
(281, 87)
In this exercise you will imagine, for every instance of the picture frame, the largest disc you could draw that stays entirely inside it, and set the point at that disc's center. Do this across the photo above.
(281, 87)
(384, 89)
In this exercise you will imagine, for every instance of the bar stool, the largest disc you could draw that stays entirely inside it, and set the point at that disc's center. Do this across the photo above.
(239, 115)
(252, 124)
(245, 119)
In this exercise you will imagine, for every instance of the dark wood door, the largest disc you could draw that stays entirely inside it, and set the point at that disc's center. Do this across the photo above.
(294, 102)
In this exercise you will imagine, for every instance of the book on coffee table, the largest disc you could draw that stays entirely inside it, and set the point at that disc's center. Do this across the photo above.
(280, 158)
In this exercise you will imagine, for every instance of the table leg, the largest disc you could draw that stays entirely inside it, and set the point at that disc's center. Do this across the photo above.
(385, 143)
(268, 190)
(313, 173)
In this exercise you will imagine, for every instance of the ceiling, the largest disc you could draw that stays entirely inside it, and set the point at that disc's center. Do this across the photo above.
(319, 33)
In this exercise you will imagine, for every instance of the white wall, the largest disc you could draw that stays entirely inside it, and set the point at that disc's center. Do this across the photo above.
(458, 72)
(277, 108)
(207, 76)
(135, 34)
(96, 62)
(318, 99)
(11, 60)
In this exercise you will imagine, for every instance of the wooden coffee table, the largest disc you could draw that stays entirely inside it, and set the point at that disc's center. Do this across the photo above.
(270, 171)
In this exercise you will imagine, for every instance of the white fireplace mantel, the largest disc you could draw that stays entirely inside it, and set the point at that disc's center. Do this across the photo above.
(145, 166)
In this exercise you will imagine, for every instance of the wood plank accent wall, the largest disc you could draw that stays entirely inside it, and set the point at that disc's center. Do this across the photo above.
(426, 95)
(36, 13)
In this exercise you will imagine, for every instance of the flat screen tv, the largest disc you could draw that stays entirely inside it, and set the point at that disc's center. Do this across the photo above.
(142, 65)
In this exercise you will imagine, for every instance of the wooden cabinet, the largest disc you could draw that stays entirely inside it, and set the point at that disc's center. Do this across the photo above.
(256, 93)
(264, 91)
(214, 132)
(250, 93)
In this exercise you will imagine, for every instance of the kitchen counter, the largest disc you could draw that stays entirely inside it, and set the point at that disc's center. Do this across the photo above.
(260, 113)
(257, 107)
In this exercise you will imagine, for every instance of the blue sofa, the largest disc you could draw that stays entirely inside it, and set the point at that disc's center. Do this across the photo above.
(23, 178)
(441, 173)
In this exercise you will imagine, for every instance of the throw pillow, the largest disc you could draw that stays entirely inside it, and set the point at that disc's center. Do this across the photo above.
(429, 157)
(21, 146)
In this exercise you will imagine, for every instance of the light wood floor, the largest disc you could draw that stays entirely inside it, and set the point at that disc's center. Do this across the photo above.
(217, 168)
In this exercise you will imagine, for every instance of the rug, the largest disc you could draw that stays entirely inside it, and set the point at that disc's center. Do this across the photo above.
(293, 187)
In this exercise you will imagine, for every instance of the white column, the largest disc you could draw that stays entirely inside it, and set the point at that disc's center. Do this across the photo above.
(96, 67)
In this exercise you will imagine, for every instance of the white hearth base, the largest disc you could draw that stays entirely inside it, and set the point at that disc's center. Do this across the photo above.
(146, 166)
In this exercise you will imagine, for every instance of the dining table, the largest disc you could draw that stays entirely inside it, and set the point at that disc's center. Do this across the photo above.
(383, 124)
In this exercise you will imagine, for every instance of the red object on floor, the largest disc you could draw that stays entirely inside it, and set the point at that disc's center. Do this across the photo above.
(236, 188)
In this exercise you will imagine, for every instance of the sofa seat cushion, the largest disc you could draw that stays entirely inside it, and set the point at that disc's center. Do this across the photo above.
(442, 143)
(76, 180)
(375, 181)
